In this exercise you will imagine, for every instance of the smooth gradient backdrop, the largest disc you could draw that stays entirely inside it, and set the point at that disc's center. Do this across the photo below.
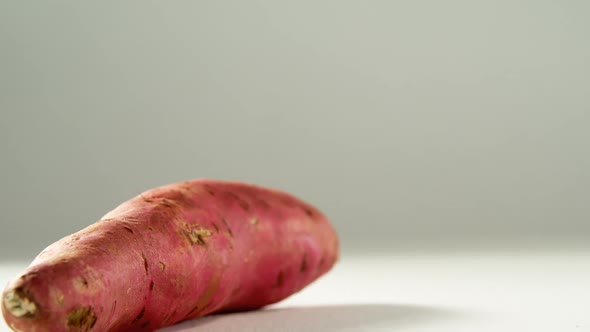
(410, 123)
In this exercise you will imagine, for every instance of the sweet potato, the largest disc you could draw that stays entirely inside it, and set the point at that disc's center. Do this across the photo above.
(173, 253)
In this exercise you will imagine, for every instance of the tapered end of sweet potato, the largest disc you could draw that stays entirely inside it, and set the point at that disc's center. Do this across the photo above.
(18, 307)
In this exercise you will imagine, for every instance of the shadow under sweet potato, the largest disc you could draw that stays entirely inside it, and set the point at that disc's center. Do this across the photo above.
(327, 318)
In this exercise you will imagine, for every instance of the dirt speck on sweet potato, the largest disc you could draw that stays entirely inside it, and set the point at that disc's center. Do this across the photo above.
(197, 236)
(280, 281)
(229, 231)
(80, 283)
(303, 266)
(82, 318)
(138, 317)
(243, 204)
(145, 263)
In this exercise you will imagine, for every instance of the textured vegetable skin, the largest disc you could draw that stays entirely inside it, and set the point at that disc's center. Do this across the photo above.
(173, 253)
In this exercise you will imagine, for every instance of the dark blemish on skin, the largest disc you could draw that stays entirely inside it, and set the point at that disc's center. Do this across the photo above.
(287, 202)
(264, 204)
(168, 317)
(280, 279)
(167, 203)
(82, 319)
(146, 199)
(229, 231)
(177, 283)
(145, 263)
(232, 195)
(139, 315)
(216, 227)
(322, 261)
(243, 204)
(209, 190)
(128, 229)
(303, 266)
(101, 308)
(84, 282)
(113, 307)
(162, 266)
(197, 236)
(150, 228)
(80, 283)
(145, 324)
(152, 285)
(194, 309)
(309, 212)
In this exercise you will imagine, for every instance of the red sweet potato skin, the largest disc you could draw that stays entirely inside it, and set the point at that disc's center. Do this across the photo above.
(173, 253)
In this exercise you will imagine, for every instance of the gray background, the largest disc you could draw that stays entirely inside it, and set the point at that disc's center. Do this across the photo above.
(412, 124)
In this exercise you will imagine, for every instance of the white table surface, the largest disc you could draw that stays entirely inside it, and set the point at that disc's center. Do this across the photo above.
(523, 291)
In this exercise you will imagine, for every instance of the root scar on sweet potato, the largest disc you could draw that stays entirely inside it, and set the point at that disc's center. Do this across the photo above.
(82, 319)
(18, 304)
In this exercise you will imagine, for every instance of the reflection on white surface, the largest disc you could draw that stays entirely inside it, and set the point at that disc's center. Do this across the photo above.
(526, 291)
